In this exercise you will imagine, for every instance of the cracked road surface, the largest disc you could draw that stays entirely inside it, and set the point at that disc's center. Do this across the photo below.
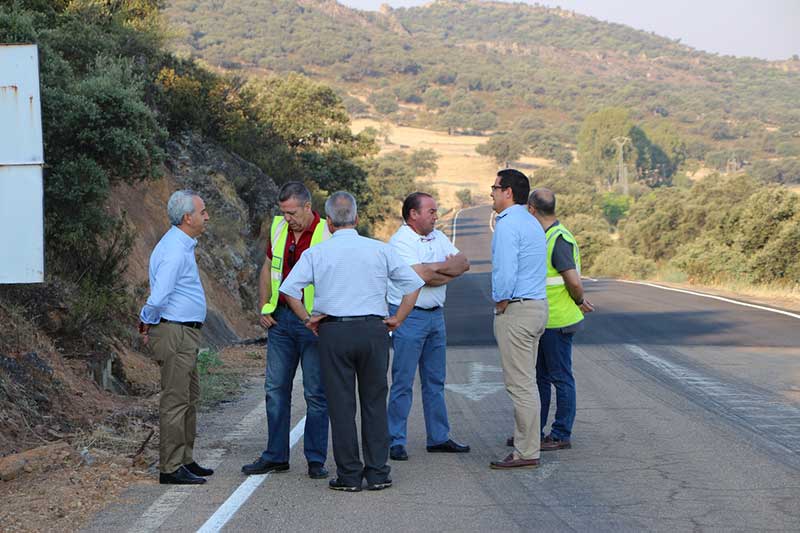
(688, 419)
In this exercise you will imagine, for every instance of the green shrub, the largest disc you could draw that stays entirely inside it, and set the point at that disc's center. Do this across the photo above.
(464, 197)
(779, 259)
(207, 360)
(615, 207)
(384, 102)
(707, 260)
(619, 262)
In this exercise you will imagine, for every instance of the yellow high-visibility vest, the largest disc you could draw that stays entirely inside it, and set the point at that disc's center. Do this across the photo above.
(279, 233)
(563, 309)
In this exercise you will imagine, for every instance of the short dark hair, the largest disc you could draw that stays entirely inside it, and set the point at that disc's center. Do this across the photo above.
(413, 201)
(544, 200)
(518, 182)
(294, 189)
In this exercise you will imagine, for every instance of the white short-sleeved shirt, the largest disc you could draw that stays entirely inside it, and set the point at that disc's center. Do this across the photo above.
(415, 249)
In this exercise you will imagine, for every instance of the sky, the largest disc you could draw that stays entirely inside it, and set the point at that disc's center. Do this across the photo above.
(768, 29)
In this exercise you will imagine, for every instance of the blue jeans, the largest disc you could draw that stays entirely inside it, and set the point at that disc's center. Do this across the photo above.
(289, 342)
(554, 367)
(419, 341)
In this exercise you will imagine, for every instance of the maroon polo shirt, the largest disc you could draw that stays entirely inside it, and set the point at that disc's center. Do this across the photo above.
(293, 250)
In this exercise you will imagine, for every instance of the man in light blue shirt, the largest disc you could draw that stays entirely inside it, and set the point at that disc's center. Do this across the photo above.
(170, 325)
(350, 275)
(519, 270)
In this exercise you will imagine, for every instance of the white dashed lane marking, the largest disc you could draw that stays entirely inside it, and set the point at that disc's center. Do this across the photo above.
(759, 412)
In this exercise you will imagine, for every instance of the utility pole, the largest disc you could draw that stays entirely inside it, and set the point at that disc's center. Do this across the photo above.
(622, 175)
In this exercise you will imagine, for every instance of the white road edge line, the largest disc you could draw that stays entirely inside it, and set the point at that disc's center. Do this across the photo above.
(167, 503)
(720, 298)
(155, 515)
(455, 219)
(226, 511)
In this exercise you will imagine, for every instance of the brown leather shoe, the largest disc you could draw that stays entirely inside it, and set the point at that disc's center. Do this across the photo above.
(510, 462)
(550, 444)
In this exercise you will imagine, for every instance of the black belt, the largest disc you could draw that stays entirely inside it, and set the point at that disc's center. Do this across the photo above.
(351, 318)
(512, 300)
(195, 325)
(428, 308)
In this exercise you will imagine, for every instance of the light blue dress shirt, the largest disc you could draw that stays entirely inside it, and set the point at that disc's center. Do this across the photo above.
(175, 289)
(519, 256)
(351, 275)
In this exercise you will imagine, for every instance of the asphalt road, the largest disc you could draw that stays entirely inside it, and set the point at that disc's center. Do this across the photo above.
(688, 419)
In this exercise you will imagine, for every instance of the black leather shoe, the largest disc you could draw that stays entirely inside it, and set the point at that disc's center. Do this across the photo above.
(263, 466)
(198, 470)
(380, 486)
(337, 484)
(181, 476)
(317, 471)
(398, 453)
(450, 446)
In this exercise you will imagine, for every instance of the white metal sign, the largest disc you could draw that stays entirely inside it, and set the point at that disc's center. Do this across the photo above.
(21, 160)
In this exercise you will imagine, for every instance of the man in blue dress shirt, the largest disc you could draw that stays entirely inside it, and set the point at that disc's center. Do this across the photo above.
(170, 325)
(519, 269)
(351, 274)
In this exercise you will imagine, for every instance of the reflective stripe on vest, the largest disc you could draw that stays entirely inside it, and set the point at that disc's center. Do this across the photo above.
(563, 310)
(279, 232)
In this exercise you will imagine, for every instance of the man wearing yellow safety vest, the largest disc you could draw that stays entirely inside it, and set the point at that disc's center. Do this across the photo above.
(567, 305)
(289, 342)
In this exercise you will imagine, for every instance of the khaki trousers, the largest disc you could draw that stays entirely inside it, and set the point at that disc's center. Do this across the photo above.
(175, 348)
(517, 332)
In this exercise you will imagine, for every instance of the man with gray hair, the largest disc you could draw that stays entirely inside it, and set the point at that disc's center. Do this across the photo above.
(350, 274)
(170, 325)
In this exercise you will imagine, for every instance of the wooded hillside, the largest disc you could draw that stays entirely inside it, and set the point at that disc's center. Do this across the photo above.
(472, 65)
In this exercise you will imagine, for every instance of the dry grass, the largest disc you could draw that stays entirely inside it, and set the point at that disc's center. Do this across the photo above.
(701, 172)
(460, 167)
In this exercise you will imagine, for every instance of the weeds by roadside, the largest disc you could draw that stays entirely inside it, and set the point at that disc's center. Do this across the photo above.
(218, 383)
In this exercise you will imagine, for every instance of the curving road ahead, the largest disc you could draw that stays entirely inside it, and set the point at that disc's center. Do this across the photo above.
(688, 419)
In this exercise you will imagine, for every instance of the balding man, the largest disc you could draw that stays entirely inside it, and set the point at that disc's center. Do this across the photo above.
(567, 305)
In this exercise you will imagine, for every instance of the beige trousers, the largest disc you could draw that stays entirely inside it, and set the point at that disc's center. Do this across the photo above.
(175, 348)
(517, 332)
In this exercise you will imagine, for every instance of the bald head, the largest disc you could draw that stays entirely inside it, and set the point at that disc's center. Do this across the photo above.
(544, 201)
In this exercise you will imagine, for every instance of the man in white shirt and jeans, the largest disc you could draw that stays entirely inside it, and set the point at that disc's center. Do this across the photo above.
(421, 339)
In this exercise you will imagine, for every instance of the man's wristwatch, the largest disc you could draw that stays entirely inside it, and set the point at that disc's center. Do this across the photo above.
(307, 319)
(579, 302)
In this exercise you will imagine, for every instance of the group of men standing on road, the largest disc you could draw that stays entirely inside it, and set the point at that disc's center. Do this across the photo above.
(325, 295)
(340, 286)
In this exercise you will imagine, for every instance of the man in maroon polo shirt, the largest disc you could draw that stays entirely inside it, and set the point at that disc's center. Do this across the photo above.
(289, 342)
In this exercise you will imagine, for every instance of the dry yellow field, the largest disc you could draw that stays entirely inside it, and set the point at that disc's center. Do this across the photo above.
(459, 166)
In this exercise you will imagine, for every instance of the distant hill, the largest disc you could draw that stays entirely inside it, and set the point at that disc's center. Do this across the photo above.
(474, 65)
